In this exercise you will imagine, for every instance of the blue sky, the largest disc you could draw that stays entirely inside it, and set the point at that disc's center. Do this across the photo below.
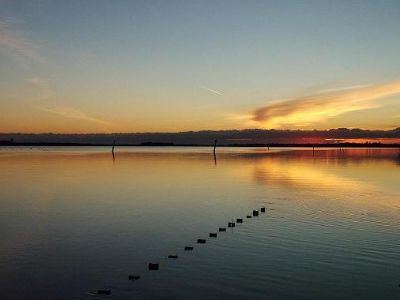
(106, 66)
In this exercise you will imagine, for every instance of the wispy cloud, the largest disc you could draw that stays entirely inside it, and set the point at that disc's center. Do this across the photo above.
(305, 110)
(16, 41)
(44, 90)
(211, 90)
(72, 113)
(40, 101)
(45, 93)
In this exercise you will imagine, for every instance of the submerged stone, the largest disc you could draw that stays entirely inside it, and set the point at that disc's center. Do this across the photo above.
(153, 266)
(103, 292)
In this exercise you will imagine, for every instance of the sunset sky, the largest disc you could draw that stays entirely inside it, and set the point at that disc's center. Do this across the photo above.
(135, 66)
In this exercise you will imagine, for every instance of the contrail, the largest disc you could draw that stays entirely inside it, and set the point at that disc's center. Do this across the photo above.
(211, 90)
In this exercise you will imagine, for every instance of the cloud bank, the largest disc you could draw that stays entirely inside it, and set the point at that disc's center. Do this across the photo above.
(303, 111)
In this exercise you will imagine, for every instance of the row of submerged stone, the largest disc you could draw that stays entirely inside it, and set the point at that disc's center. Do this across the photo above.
(155, 266)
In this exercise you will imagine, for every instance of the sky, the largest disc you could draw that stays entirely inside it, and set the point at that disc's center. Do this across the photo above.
(160, 66)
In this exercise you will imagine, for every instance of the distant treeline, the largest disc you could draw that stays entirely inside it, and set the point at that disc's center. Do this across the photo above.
(246, 137)
(155, 144)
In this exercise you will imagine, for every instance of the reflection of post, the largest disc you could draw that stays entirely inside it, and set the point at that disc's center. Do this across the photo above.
(112, 151)
(215, 156)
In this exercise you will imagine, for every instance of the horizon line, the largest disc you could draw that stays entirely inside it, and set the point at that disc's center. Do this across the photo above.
(196, 131)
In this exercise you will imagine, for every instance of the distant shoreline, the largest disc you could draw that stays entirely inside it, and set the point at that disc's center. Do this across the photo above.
(339, 137)
(155, 144)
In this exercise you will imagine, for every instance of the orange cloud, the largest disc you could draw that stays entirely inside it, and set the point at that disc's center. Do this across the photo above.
(303, 111)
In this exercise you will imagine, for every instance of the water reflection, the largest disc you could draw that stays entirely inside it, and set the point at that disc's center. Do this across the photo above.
(298, 174)
(73, 220)
(325, 169)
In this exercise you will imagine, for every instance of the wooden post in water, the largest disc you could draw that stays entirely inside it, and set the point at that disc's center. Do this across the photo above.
(215, 156)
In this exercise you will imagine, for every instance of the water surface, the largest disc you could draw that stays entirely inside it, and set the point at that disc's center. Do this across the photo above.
(73, 220)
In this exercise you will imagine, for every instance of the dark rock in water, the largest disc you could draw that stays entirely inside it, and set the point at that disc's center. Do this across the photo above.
(153, 266)
(248, 216)
(188, 248)
(133, 277)
(262, 209)
(103, 292)
(221, 229)
(239, 220)
(255, 213)
(231, 224)
(213, 235)
(201, 241)
(173, 256)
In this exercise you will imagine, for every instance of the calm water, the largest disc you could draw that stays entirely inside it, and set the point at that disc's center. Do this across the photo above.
(74, 220)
